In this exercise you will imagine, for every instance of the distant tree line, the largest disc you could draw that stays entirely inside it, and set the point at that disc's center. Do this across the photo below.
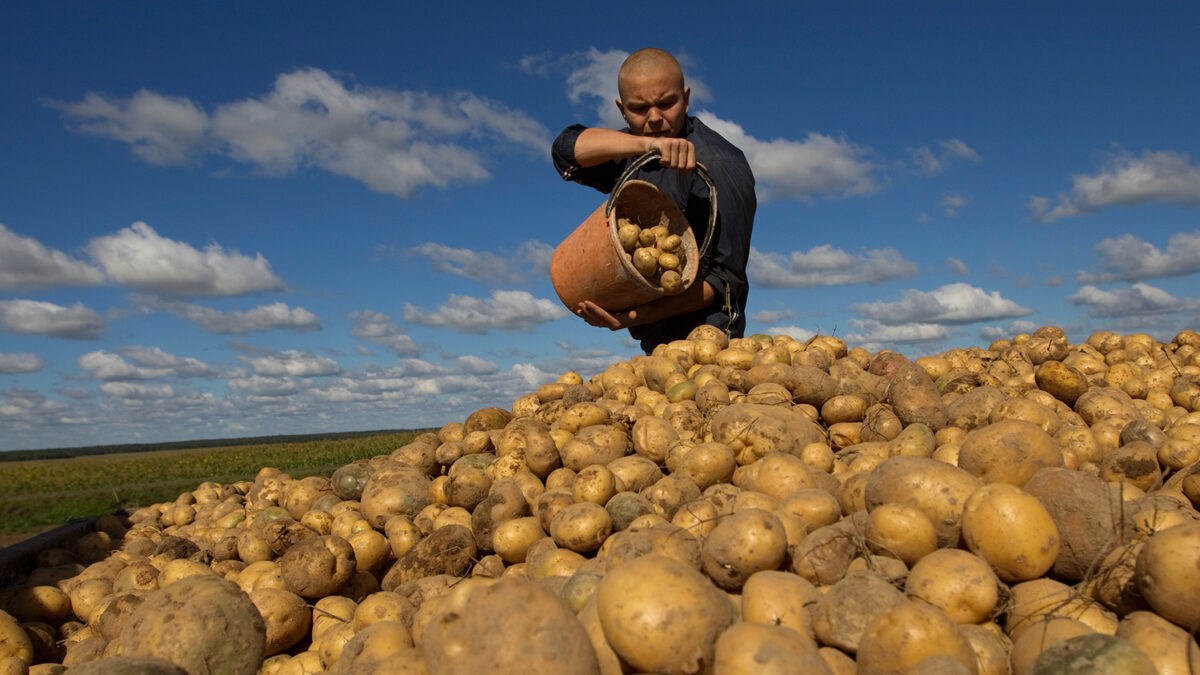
(93, 450)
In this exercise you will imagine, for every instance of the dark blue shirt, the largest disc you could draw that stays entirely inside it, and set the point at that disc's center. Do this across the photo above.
(724, 264)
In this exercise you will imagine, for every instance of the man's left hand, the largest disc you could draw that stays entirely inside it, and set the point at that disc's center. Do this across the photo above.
(598, 316)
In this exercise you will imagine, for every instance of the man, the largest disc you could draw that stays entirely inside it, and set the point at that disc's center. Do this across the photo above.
(654, 103)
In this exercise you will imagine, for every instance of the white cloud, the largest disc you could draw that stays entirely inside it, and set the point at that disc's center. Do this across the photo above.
(27, 264)
(273, 387)
(992, 333)
(275, 316)
(1135, 300)
(136, 391)
(154, 357)
(952, 203)
(18, 363)
(392, 141)
(138, 257)
(818, 165)
(827, 266)
(957, 266)
(380, 329)
(533, 257)
(876, 333)
(951, 304)
(1162, 177)
(160, 129)
(1129, 258)
(795, 332)
(952, 149)
(771, 316)
(292, 363)
(34, 317)
(148, 363)
(24, 409)
(505, 310)
(105, 365)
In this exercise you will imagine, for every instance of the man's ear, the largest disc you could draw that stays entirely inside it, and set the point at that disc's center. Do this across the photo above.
(687, 97)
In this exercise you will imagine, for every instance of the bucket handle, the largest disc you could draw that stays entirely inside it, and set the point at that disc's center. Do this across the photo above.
(652, 155)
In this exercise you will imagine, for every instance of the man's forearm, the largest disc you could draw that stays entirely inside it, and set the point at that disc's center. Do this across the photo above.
(597, 146)
(698, 296)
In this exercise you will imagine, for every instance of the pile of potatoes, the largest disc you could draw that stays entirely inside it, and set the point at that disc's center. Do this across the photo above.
(655, 253)
(755, 505)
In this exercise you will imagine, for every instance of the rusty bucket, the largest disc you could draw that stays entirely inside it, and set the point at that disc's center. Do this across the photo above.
(590, 263)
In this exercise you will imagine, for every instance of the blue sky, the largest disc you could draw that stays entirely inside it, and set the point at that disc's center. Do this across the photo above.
(223, 219)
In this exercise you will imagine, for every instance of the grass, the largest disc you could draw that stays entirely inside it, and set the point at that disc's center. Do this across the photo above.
(38, 493)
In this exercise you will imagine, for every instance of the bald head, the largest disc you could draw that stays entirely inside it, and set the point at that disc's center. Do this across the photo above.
(648, 62)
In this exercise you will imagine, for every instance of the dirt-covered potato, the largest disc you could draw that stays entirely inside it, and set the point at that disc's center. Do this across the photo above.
(204, 624)
(448, 550)
(843, 612)
(741, 544)
(747, 648)
(394, 490)
(318, 566)
(507, 625)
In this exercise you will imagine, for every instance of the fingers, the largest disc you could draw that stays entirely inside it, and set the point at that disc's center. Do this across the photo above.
(677, 153)
(597, 316)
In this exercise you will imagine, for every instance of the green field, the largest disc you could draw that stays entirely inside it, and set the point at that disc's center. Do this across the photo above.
(45, 492)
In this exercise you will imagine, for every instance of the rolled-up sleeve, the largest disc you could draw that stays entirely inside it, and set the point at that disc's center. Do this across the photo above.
(602, 177)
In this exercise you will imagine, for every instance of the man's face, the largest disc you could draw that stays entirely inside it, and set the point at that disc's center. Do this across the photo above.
(654, 104)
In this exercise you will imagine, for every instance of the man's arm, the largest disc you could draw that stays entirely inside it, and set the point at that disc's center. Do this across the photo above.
(697, 296)
(596, 146)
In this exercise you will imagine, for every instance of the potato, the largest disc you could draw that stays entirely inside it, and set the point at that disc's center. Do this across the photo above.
(915, 399)
(823, 556)
(512, 624)
(755, 430)
(448, 550)
(1009, 451)
(581, 527)
(843, 612)
(741, 544)
(597, 444)
(1035, 602)
(286, 616)
(779, 598)
(201, 623)
(1087, 514)
(661, 615)
(1010, 529)
(14, 641)
(1172, 650)
(958, 582)
(901, 530)
(904, 634)
(318, 566)
(1168, 572)
(663, 539)
(1093, 653)
(708, 464)
(394, 490)
(753, 648)
(939, 490)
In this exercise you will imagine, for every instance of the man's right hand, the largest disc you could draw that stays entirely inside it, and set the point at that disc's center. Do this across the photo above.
(677, 153)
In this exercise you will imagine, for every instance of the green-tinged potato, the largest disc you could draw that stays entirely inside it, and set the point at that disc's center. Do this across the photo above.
(1095, 653)
(661, 615)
